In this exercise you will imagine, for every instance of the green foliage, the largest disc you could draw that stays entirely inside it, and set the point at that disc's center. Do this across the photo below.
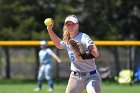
(27, 86)
(103, 20)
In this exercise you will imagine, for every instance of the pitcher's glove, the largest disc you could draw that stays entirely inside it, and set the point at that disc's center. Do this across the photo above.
(76, 49)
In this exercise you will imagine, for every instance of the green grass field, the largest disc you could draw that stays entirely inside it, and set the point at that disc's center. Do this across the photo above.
(27, 86)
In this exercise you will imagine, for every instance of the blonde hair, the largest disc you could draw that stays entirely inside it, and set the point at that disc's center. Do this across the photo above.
(66, 34)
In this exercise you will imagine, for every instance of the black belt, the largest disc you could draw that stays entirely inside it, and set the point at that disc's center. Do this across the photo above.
(84, 73)
(45, 63)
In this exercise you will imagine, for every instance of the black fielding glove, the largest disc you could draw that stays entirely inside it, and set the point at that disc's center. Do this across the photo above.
(87, 55)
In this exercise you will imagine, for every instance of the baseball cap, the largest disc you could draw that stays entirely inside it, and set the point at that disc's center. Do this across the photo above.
(72, 19)
(43, 42)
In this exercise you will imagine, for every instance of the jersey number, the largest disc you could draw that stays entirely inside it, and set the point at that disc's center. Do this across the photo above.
(71, 56)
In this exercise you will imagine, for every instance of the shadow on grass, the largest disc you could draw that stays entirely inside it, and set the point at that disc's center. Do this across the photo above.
(31, 81)
(56, 81)
(16, 81)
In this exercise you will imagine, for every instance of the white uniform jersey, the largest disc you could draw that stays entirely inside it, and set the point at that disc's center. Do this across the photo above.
(44, 55)
(78, 64)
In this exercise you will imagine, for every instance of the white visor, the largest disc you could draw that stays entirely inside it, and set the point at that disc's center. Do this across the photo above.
(72, 19)
(43, 43)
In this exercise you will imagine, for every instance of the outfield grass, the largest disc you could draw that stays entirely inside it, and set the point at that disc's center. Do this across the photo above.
(27, 86)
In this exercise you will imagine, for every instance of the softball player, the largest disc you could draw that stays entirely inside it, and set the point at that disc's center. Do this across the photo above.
(84, 74)
(46, 67)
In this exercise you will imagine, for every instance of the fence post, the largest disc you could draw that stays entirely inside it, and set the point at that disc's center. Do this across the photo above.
(57, 66)
(6, 62)
(36, 61)
(117, 61)
(131, 57)
(131, 65)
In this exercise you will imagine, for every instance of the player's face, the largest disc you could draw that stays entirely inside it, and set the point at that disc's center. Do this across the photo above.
(42, 46)
(71, 27)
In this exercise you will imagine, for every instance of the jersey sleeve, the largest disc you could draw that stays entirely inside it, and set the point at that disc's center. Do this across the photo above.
(49, 51)
(87, 40)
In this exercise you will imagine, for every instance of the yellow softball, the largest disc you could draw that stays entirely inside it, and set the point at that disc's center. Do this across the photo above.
(48, 21)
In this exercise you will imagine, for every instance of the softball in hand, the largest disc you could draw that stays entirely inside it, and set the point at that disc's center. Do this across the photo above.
(48, 21)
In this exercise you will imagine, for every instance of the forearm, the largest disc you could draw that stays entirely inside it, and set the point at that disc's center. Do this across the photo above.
(94, 51)
(56, 58)
(53, 36)
(55, 39)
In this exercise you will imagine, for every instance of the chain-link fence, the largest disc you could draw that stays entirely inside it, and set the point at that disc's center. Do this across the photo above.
(23, 61)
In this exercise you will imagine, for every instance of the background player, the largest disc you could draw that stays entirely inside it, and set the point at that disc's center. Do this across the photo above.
(84, 74)
(45, 65)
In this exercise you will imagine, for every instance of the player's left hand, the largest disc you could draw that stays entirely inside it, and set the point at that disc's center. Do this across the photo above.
(75, 47)
(59, 61)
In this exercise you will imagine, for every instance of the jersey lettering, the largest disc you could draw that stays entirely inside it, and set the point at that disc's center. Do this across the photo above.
(90, 42)
(71, 56)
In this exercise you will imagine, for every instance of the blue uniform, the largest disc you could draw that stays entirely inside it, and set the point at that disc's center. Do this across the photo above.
(84, 73)
(45, 67)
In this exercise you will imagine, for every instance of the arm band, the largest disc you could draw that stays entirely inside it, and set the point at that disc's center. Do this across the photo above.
(87, 55)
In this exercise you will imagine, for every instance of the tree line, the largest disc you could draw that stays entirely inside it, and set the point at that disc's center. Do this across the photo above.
(101, 19)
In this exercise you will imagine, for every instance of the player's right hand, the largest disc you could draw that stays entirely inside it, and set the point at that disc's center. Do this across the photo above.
(50, 27)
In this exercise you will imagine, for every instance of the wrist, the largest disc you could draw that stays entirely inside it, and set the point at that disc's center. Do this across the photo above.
(87, 55)
(49, 30)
